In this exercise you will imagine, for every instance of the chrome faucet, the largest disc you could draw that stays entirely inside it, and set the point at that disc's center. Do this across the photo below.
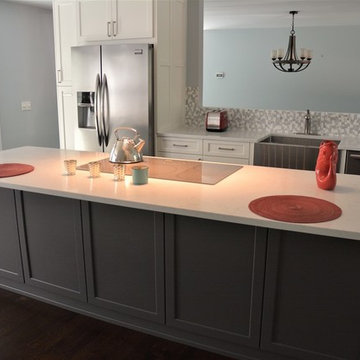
(307, 129)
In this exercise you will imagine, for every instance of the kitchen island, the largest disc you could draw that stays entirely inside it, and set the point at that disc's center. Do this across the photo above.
(186, 261)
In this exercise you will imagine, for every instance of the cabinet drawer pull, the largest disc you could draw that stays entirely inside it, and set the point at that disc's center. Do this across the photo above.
(108, 29)
(59, 73)
(180, 145)
(114, 28)
(355, 156)
(224, 148)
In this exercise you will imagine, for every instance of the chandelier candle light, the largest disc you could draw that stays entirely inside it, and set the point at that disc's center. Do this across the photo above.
(290, 62)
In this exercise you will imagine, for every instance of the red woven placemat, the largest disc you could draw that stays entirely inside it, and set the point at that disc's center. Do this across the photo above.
(14, 169)
(295, 208)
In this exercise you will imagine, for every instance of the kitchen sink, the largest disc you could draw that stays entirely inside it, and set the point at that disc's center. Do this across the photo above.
(291, 152)
(294, 140)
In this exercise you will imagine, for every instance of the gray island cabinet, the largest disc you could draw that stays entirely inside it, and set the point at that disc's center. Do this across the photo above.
(51, 243)
(124, 252)
(312, 297)
(243, 291)
(215, 274)
(10, 259)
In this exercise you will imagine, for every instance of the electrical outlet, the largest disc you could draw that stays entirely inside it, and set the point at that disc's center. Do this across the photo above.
(25, 105)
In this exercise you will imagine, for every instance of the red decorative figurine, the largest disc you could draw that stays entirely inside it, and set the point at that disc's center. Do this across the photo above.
(326, 165)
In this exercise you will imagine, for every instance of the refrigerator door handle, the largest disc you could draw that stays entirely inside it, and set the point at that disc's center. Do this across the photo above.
(97, 109)
(105, 110)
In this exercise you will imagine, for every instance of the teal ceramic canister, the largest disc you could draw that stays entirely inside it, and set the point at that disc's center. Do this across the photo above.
(140, 174)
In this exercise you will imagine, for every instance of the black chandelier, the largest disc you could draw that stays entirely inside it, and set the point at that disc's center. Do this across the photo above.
(290, 62)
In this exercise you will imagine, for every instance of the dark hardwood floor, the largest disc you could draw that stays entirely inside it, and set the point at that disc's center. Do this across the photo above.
(32, 330)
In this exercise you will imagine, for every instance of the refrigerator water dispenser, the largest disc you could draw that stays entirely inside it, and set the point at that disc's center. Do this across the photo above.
(85, 109)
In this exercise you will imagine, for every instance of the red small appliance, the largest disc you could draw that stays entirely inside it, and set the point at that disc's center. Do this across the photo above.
(216, 120)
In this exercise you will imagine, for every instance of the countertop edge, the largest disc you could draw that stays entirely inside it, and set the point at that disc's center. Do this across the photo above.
(259, 222)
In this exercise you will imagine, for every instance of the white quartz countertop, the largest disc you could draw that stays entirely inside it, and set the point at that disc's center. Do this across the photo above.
(226, 201)
(349, 143)
(235, 134)
(229, 134)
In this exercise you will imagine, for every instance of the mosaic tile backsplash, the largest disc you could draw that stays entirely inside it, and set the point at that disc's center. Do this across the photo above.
(323, 123)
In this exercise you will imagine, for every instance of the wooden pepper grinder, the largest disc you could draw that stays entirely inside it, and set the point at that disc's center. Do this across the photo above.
(325, 169)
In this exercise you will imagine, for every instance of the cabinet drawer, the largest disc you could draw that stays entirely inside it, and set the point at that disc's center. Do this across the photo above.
(226, 149)
(180, 145)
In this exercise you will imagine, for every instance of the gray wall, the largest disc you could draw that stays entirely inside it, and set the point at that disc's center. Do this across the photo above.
(27, 72)
(331, 83)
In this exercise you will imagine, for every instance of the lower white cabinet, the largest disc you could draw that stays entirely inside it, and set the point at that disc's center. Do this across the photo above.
(207, 150)
(66, 116)
(64, 15)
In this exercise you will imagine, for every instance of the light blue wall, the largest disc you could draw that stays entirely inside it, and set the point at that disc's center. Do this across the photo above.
(27, 72)
(331, 83)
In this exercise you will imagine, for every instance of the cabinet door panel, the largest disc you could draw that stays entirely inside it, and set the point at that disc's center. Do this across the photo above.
(10, 261)
(124, 251)
(51, 242)
(215, 278)
(66, 116)
(65, 37)
(94, 20)
(312, 297)
(134, 19)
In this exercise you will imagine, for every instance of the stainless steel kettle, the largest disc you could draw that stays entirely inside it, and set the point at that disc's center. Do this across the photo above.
(126, 150)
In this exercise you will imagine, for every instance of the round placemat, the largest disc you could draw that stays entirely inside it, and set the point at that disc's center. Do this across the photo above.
(14, 169)
(295, 208)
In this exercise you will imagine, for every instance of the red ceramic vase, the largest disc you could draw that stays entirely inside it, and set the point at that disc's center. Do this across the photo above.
(326, 165)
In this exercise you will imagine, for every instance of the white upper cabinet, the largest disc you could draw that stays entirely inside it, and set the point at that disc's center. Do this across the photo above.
(94, 19)
(115, 19)
(64, 12)
(134, 19)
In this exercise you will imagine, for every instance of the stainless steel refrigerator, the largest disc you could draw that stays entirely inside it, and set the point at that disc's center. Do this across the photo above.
(113, 86)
